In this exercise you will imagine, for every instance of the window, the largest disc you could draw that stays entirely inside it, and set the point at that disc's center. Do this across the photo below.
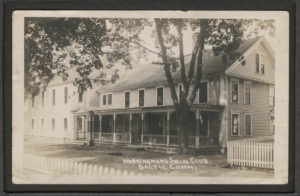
(234, 124)
(32, 102)
(257, 62)
(66, 95)
(203, 92)
(127, 99)
(109, 97)
(204, 124)
(43, 97)
(66, 123)
(271, 96)
(104, 99)
(234, 91)
(80, 97)
(179, 91)
(160, 96)
(260, 66)
(32, 124)
(141, 97)
(42, 124)
(248, 124)
(53, 97)
(53, 123)
(247, 92)
(272, 125)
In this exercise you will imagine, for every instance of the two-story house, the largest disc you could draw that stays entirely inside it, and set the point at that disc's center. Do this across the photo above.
(235, 100)
(49, 115)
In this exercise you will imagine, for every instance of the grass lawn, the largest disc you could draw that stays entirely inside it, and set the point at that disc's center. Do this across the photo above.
(114, 156)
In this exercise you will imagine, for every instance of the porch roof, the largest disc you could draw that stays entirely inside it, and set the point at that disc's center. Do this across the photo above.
(201, 107)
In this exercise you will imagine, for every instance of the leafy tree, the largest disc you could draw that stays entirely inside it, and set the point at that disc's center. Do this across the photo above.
(223, 35)
(49, 41)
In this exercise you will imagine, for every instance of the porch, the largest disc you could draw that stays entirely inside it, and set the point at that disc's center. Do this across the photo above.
(156, 127)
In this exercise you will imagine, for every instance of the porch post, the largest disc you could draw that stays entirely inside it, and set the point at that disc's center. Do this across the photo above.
(100, 126)
(75, 127)
(90, 128)
(142, 136)
(168, 128)
(197, 128)
(87, 128)
(130, 128)
(114, 127)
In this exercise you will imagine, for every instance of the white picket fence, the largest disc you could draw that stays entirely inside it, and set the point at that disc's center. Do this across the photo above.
(47, 165)
(251, 154)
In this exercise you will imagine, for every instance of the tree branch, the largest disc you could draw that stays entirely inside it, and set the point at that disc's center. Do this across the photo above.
(182, 64)
(165, 61)
(198, 77)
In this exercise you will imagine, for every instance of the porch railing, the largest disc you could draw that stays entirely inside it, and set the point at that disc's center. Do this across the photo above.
(173, 140)
(155, 139)
(208, 141)
(96, 136)
(107, 136)
(122, 137)
(191, 141)
(81, 135)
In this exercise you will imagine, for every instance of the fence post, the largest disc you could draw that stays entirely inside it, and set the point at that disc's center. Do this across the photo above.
(125, 173)
(106, 171)
(90, 169)
(100, 171)
(84, 169)
(112, 172)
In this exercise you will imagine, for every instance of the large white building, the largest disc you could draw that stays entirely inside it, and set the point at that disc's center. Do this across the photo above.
(235, 100)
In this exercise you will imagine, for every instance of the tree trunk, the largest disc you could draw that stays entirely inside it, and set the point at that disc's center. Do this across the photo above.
(182, 113)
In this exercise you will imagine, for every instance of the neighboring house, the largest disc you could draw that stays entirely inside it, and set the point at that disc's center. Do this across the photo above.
(50, 113)
(235, 100)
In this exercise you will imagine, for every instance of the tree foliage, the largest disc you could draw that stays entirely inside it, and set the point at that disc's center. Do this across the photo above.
(50, 42)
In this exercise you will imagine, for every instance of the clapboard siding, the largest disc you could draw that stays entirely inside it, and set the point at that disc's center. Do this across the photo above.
(259, 109)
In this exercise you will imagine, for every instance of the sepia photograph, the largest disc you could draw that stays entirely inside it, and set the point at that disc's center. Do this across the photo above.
(150, 97)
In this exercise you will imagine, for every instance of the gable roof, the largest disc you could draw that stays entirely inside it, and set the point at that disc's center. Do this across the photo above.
(152, 74)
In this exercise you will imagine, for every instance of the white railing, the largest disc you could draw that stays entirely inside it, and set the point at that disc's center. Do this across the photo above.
(37, 164)
(251, 154)
(96, 135)
(81, 135)
(107, 136)
(155, 139)
(122, 137)
(173, 140)
(191, 141)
